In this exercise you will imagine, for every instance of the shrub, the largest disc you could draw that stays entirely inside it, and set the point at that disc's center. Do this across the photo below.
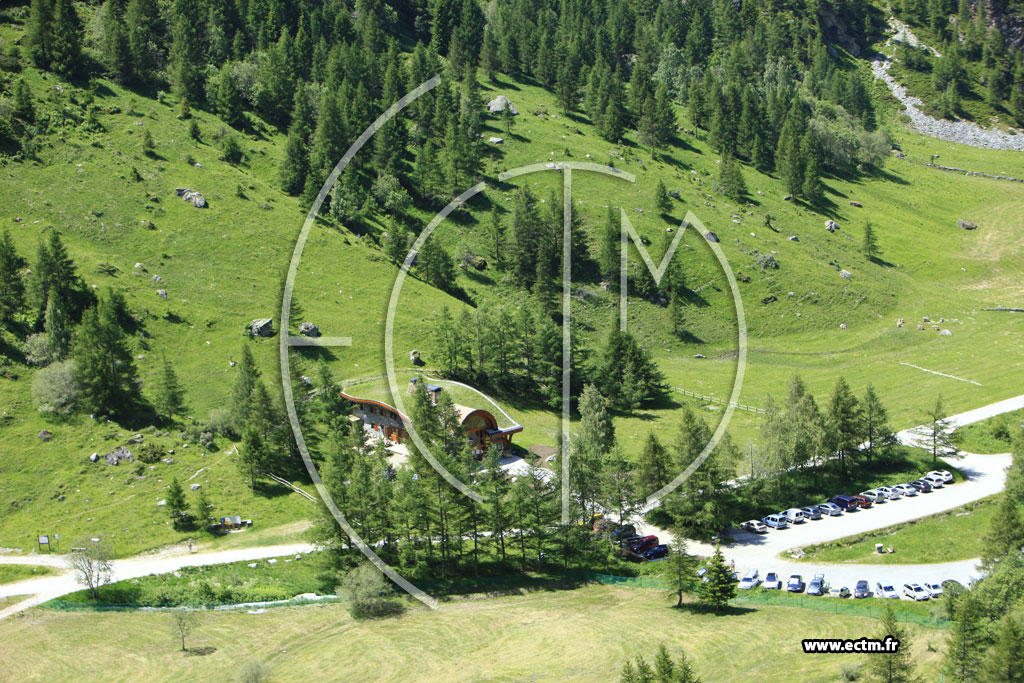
(55, 388)
(220, 422)
(365, 589)
(231, 150)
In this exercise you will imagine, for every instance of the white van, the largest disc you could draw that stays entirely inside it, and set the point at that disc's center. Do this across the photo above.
(794, 515)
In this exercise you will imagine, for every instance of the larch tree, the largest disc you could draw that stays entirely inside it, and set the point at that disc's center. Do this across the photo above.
(187, 51)
(892, 666)
(170, 398)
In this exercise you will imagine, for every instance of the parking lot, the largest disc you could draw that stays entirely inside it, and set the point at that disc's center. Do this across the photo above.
(985, 476)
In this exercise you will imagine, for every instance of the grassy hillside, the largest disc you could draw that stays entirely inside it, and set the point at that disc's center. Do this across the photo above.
(223, 266)
(494, 638)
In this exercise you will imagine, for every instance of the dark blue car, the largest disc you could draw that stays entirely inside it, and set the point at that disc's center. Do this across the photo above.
(657, 552)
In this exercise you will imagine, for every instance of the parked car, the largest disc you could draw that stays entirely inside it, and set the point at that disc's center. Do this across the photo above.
(934, 588)
(830, 509)
(906, 489)
(862, 589)
(936, 482)
(658, 552)
(776, 521)
(886, 591)
(945, 475)
(794, 515)
(627, 541)
(749, 580)
(839, 592)
(921, 486)
(623, 532)
(818, 585)
(754, 525)
(891, 494)
(772, 581)
(847, 503)
(916, 591)
(795, 584)
(644, 544)
(875, 496)
(862, 501)
(812, 512)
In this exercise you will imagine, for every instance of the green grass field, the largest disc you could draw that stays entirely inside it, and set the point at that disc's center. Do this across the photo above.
(9, 573)
(223, 266)
(947, 537)
(584, 634)
(989, 436)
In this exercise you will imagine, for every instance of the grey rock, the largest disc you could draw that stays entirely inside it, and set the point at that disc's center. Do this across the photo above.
(45, 435)
(711, 237)
(309, 329)
(793, 238)
(967, 225)
(162, 293)
(845, 274)
(831, 225)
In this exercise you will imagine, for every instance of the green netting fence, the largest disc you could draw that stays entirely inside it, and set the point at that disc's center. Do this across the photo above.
(778, 599)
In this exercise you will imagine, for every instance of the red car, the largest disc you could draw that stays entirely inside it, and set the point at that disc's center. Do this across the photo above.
(863, 501)
(645, 543)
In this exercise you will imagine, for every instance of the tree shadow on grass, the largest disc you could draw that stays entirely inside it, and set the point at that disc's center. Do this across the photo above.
(724, 611)
(200, 651)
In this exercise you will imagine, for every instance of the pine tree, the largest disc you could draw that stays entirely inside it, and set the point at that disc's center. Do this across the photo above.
(39, 33)
(680, 571)
(104, 366)
(143, 21)
(177, 506)
(661, 198)
(719, 588)
(731, 178)
(812, 189)
(938, 432)
(116, 49)
(870, 244)
(328, 139)
(187, 51)
(966, 642)
(1005, 534)
(229, 101)
(203, 507)
(1004, 662)
(66, 48)
(248, 374)
(489, 54)
(613, 117)
(24, 109)
(58, 330)
(654, 465)
(295, 166)
(877, 432)
(12, 289)
(170, 398)
(894, 666)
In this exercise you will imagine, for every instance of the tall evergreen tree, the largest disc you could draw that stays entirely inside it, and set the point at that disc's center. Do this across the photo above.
(893, 666)
(104, 366)
(870, 244)
(116, 47)
(720, 587)
(58, 328)
(12, 289)
(229, 100)
(170, 398)
(177, 506)
(188, 68)
(39, 33)
(65, 51)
